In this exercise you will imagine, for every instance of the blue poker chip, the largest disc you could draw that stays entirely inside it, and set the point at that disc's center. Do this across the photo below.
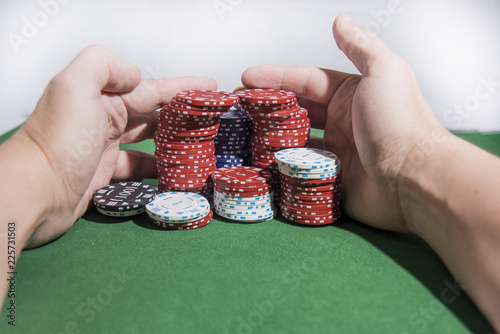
(233, 129)
(232, 123)
(238, 152)
(224, 165)
(233, 141)
(241, 134)
(229, 156)
(235, 150)
(230, 161)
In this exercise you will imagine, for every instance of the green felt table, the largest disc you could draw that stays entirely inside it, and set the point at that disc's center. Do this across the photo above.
(119, 275)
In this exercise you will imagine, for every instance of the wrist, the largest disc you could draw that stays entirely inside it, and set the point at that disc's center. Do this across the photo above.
(27, 180)
(415, 178)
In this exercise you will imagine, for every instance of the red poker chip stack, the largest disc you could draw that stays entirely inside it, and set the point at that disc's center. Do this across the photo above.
(311, 201)
(278, 123)
(310, 185)
(184, 140)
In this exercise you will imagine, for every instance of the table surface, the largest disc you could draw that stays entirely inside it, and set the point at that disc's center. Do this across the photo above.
(118, 275)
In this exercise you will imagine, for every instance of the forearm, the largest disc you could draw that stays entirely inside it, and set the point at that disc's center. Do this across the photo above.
(24, 196)
(451, 200)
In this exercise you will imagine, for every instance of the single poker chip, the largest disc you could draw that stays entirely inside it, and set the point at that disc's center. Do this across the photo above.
(307, 182)
(196, 151)
(308, 206)
(177, 206)
(267, 108)
(252, 199)
(309, 221)
(271, 128)
(186, 226)
(199, 113)
(287, 190)
(297, 211)
(192, 127)
(223, 204)
(248, 218)
(226, 205)
(128, 213)
(242, 194)
(266, 96)
(176, 102)
(291, 112)
(207, 98)
(243, 210)
(308, 176)
(203, 162)
(242, 176)
(231, 165)
(185, 146)
(307, 158)
(314, 189)
(307, 171)
(187, 133)
(124, 196)
(307, 197)
(327, 216)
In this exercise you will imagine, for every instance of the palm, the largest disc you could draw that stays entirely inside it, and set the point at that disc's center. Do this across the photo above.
(348, 131)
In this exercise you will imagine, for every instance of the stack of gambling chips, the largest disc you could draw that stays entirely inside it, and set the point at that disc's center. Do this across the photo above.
(278, 123)
(180, 211)
(243, 193)
(310, 186)
(185, 150)
(123, 199)
(232, 145)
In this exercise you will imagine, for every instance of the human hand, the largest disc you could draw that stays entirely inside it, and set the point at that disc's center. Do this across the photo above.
(372, 122)
(95, 104)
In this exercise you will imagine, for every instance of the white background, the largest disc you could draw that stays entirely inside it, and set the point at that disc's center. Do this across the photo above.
(451, 44)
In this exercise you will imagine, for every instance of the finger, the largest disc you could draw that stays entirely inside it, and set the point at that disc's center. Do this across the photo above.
(152, 94)
(362, 46)
(140, 127)
(312, 83)
(134, 165)
(96, 65)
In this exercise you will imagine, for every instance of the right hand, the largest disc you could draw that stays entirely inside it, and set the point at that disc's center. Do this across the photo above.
(372, 122)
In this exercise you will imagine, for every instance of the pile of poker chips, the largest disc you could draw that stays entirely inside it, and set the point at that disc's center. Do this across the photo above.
(180, 211)
(243, 193)
(123, 199)
(310, 186)
(232, 144)
(278, 123)
(184, 141)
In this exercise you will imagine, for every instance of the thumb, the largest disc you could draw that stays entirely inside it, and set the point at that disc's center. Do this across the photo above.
(362, 46)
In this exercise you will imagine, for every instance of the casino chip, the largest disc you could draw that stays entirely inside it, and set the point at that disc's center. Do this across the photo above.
(278, 123)
(179, 210)
(185, 148)
(243, 193)
(123, 199)
(310, 186)
(232, 144)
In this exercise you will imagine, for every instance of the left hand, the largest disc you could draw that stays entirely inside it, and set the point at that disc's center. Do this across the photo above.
(95, 104)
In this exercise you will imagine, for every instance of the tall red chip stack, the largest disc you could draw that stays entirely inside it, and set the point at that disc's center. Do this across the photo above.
(278, 123)
(184, 141)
